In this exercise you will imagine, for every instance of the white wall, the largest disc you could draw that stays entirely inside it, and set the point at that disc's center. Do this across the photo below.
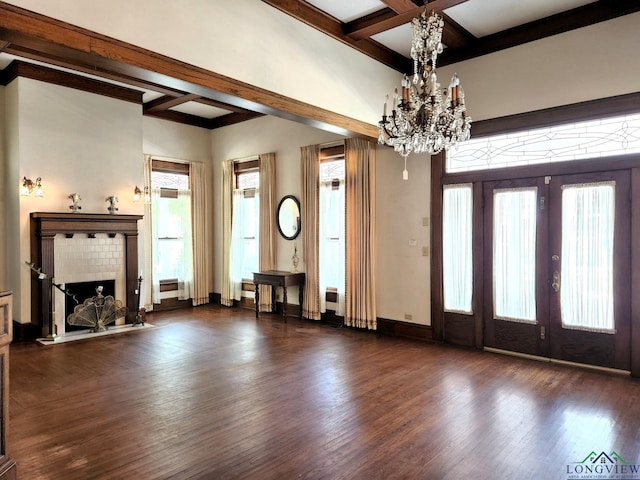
(162, 138)
(247, 40)
(77, 142)
(403, 273)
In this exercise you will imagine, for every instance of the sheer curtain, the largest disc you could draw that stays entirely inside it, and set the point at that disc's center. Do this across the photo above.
(514, 254)
(309, 204)
(202, 282)
(146, 273)
(226, 296)
(332, 246)
(360, 301)
(243, 252)
(185, 277)
(586, 294)
(155, 250)
(267, 235)
(457, 268)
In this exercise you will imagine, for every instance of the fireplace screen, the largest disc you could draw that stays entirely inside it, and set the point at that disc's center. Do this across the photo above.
(97, 312)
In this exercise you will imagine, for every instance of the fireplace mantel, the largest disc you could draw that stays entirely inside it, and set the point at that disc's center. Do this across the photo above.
(48, 224)
(45, 226)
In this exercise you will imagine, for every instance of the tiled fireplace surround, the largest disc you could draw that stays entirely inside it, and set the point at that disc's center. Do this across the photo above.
(85, 259)
(81, 248)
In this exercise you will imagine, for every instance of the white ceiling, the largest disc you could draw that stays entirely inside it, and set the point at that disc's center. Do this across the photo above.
(479, 17)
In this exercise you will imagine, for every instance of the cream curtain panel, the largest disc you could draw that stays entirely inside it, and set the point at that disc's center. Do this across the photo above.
(309, 204)
(199, 184)
(226, 297)
(267, 235)
(360, 308)
(148, 242)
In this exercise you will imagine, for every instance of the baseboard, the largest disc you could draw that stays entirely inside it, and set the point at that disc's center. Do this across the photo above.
(215, 298)
(403, 329)
(26, 332)
(8, 469)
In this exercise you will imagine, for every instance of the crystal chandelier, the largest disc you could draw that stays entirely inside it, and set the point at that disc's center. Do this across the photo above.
(424, 118)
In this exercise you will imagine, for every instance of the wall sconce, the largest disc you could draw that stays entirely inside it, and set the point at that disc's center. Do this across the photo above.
(138, 194)
(29, 187)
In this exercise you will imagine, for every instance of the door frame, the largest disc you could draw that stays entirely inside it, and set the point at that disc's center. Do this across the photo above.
(470, 328)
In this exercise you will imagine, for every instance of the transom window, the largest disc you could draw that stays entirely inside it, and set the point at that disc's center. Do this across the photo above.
(605, 137)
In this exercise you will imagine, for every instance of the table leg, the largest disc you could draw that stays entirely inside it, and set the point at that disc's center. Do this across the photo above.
(257, 299)
(300, 297)
(284, 303)
(273, 298)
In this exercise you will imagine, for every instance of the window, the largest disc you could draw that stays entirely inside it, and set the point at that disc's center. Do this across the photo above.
(568, 142)
(457, 213)
(171, 227)
(332, 226)
(245, 223)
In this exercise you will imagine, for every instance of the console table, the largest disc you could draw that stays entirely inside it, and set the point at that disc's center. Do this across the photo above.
(277, 278)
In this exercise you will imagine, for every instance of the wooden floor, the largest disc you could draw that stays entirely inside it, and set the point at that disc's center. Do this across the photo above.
(213, 393)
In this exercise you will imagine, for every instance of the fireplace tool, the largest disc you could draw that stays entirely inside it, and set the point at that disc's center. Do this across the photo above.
(139, 318)
(51, 335)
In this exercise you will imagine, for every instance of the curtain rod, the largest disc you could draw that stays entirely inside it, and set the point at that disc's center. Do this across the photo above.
(335, 143)
(246, 159)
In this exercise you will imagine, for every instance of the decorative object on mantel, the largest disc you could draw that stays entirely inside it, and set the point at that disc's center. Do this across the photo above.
(112, 199)
(97, 312)
(29, 187)
(424, 118)
(52, 334)
(294, 259)
(75, 198)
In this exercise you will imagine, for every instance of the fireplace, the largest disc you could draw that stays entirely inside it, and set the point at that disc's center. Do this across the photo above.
(78, 292)
(82, 247)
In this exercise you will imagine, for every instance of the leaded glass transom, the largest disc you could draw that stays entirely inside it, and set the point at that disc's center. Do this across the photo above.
(575, 141)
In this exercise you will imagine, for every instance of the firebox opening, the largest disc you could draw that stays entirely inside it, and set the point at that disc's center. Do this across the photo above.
(82, 291)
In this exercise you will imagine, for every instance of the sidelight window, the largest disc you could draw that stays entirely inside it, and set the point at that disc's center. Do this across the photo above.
(457, 213)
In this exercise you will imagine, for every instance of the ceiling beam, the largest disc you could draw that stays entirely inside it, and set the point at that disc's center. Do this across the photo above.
(116, 59)
(328, 25)
(44, 74)
(166, 102)
(232, 118)
(579, 17)
(174, 116)
(386, 19)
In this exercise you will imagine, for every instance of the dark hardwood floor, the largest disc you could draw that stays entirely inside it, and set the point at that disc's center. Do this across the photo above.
(213, 393)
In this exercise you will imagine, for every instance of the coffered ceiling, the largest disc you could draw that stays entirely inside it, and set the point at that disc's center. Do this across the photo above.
(377, 28)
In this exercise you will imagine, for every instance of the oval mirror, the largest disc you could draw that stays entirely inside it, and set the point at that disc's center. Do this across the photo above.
(289, 217)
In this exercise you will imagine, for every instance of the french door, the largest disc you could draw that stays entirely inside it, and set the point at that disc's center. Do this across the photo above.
(557, 267)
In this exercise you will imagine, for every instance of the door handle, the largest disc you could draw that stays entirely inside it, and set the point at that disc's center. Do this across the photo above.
(555, 284)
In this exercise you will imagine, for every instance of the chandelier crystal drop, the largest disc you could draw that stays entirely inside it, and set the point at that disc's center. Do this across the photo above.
(425, 118)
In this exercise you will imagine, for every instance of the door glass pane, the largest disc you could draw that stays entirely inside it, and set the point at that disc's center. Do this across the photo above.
(514, 254)
(586, 288)
(457, 269)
